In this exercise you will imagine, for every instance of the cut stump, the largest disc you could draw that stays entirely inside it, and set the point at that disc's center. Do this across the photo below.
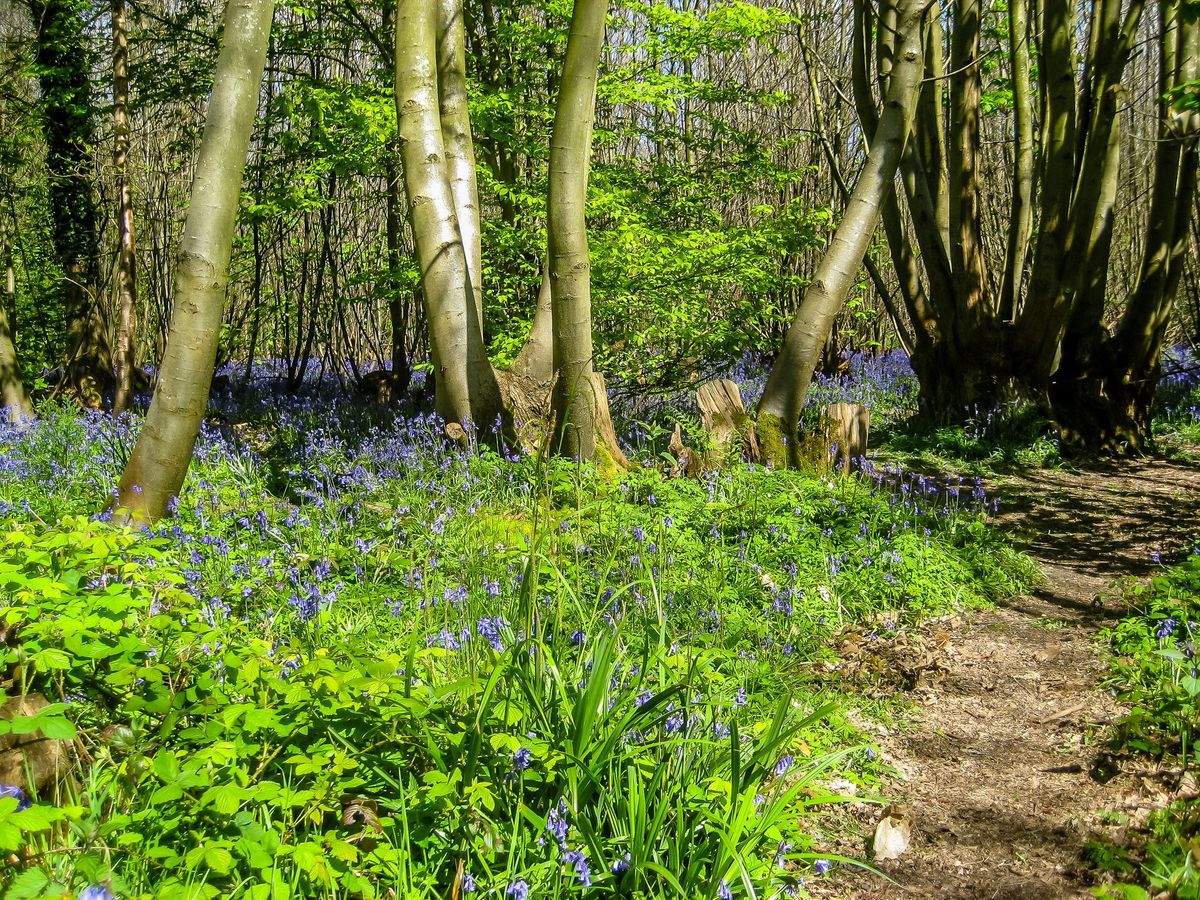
(847, 427)
(32, 762)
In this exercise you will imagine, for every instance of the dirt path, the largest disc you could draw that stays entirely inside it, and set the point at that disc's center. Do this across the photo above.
(1003, 771)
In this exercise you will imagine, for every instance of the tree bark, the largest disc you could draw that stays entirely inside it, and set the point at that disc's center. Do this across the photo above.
(466, 389)
(67, 120)
(1021, 215)
(536, 359)
(126, 265)
(787, 386)
(160, 459)
(574, 399)
(458, 140)
(15, 404)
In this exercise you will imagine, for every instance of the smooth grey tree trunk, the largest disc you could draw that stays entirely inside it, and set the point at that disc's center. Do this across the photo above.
(160, 459)
(574, 398)
(787, 386)
(466, 388)
(458, 140)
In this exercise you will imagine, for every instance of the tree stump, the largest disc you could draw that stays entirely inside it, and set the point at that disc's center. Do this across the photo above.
(606, 432)
(846, 428)
(32, 762)
(723, 415)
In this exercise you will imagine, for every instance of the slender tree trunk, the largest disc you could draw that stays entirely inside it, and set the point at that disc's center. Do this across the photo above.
(126, 268)
(15, 404)
(456, 135)
(1021, 216)
(160, 459)
(574, 399)
(466, 388)
(64, 73)
(787, 386)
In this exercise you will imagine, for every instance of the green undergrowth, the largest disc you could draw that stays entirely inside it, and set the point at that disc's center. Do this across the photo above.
(383, 668)
(1154, 668)
(997, 443)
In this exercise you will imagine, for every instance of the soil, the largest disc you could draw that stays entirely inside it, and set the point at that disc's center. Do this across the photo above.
(1003, 771)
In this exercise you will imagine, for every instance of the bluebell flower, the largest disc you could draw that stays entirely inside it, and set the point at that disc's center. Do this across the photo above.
(1166, 629)
(782, 767)
(622, 864)
(823, 866)
(468, 883)
(723, 891)
(578, 638)
(557, 825)
(522, 759)
(11, 790)
(518, 890)
(95, 892)
(578, 860)
(489, 630)
(740, 698)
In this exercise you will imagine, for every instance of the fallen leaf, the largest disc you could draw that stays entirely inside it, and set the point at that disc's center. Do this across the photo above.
(893, 833)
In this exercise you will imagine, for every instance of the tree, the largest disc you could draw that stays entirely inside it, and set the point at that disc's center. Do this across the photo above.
(14, 398)
(787, 386)
(466, 387)
(63, 58)
(575, 396)
(162, 454)
(124, 358)
(1037, 332)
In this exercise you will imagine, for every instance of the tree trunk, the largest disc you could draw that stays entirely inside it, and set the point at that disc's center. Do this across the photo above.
(456, 135)
(126, 265)
(536, 359)
(783, 398)
(15, 405)
(64, 74)
(160, 459)
(575, 398)
(466, 388)
(1103, 398)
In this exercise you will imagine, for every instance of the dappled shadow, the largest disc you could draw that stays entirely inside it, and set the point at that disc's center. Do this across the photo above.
(1105, 521)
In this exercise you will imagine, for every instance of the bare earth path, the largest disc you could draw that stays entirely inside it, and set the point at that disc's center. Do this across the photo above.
(1003, 770)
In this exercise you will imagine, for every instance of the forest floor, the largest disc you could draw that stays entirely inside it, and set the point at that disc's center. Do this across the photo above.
(1002, 765)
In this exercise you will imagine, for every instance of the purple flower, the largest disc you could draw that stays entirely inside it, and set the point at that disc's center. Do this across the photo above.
(11, 790)
(823, 866)
(518, 890)
(723, 892)
(578, 859)
(1166, 629)
(444, 639)
(489, 630)
(622, 864)
(578, 638)
(522, 759)
(95, 892)
(557, 825)
(781, 767)
(468, 883)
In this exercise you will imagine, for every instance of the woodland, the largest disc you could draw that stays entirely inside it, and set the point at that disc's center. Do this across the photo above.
(603, 448)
